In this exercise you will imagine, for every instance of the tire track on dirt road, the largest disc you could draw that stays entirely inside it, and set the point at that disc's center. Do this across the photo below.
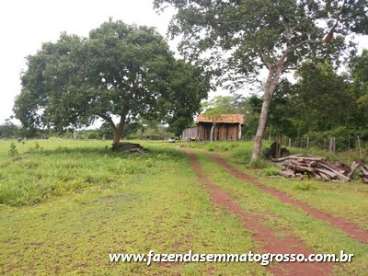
(261, 233)
(349, 228)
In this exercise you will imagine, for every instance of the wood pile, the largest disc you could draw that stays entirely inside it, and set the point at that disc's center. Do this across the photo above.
(320, 168)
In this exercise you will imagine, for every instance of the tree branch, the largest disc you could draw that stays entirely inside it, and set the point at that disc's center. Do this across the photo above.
(108, 119)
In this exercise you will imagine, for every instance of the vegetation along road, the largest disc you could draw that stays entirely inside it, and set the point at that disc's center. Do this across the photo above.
(67, 204)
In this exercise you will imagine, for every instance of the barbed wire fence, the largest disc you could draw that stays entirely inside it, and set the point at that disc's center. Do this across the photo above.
(331, 144)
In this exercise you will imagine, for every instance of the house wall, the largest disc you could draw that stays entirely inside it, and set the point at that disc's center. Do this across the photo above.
(221, 132)
(226, 132)
(190, 133)
(204, 131)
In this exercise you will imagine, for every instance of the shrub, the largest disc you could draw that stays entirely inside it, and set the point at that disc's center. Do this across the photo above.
(13, 150)
(304, 187)
(271, 171)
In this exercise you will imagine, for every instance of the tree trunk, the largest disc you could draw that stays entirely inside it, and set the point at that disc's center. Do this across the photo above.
(117, 133)
(270, 86)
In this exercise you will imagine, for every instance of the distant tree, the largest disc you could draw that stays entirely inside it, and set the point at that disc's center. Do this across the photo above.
(359, 88)
(189, 86)
(120, 73)
(276, 35)
(282, 115)
(249, 106)
(8, 130)
(221, 105)
(322, 98)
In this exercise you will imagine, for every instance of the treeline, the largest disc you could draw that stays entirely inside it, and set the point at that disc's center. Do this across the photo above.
(320, 103)
(152, 130)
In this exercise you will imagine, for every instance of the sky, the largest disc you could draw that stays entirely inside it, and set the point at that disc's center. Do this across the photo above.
(25, 25)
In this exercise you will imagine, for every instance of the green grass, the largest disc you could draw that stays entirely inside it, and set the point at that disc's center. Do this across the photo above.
(316, 234)
(67, 204)
(348, 200)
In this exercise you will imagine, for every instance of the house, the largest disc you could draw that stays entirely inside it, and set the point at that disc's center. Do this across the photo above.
(216, 128)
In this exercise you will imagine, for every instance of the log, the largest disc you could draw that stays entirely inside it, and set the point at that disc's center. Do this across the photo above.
(285, 158)
(287, 173)
(317, 167)
(335, 172)
(297, 157)
(354, 166)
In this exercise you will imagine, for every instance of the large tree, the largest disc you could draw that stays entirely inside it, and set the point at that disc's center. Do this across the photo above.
(359, 90)
(273, 34)
(120, 73)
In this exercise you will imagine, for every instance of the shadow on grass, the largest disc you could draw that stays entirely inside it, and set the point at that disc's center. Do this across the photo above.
(161, 152)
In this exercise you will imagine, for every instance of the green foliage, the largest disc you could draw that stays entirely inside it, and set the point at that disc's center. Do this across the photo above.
(258, 33)
(13, 150)
(250, 106)
(189, 86)
(37, 146)
(236, 39)
(8, 130)
(304, 187)
(223, 105)
(271, 171)
(258, 164)
(152, 130)
(120, 73)
(319, 105)
(346, 138)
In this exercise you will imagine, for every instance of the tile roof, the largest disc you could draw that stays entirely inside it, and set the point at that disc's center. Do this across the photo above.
(221, 118)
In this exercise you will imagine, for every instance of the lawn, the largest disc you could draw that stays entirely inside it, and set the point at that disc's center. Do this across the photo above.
(317, 235)
(66, 204)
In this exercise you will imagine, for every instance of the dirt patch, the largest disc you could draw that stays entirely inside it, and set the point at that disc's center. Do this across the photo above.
(261, 233)
(351, 229)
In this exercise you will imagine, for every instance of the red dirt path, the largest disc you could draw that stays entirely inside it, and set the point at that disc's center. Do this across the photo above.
(261, 233)
(351, 229)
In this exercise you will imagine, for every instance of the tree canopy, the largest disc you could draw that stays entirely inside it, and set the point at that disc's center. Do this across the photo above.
(320, 103)
(120, 73)
(255, 34)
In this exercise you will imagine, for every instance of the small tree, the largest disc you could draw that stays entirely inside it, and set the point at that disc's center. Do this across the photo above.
(273, 34)
(121, 74)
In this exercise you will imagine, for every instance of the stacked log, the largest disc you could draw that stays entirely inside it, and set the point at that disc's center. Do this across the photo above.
(319, 168)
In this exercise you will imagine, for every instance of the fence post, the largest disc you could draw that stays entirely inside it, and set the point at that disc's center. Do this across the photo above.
(289, 142)
(332, 145)
(307, 142)
(359, 147)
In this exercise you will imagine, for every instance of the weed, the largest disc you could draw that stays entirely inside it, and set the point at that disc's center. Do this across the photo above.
(304, 187)
(271, 171)
(13, 150)
(258, 164)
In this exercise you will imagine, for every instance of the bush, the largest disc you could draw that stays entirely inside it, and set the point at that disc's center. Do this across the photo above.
(304, 187)
(346, 138)
(271, 171)
(13, 150)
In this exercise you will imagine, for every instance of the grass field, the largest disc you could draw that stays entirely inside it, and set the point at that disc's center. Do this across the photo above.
(65, 205)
